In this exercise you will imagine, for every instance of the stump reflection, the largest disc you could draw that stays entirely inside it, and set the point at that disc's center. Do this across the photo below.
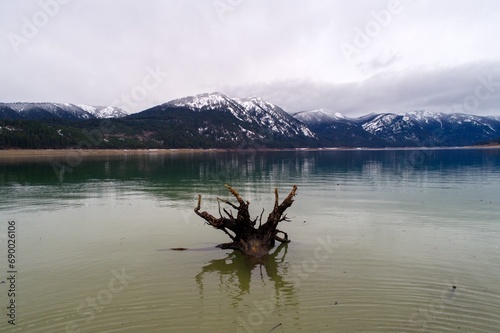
(236, 270)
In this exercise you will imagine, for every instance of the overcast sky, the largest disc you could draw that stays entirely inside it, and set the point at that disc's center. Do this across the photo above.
(352, 57)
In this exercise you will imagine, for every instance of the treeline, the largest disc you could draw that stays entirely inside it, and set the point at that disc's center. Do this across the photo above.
(36, 135)
(180, 128)
(120, 134)
(60, 134)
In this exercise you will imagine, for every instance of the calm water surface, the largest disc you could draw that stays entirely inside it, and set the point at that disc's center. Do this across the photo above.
(379, 239)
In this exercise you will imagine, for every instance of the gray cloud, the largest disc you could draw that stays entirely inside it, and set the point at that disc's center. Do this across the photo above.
(422, 54)
(469, 88)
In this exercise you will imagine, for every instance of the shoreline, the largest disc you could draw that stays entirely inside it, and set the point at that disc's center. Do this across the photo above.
(85, 152)
(16, 153)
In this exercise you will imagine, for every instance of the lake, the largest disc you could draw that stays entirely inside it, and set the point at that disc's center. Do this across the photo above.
(382, 241)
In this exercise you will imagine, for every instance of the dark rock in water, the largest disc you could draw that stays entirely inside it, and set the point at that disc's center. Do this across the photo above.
(179, 249)
(454, 287)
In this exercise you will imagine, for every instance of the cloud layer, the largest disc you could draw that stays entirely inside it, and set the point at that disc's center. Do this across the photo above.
(353, 58)
(469, 88)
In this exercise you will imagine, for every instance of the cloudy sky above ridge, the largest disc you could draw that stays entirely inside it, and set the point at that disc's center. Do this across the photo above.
(352, 57)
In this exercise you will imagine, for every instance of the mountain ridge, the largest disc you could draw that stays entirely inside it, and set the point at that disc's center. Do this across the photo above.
(224, 122)
(410, 129)
(68, 111)
(215, 120)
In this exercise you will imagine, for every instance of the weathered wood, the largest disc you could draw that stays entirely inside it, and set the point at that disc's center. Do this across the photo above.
(241, 229)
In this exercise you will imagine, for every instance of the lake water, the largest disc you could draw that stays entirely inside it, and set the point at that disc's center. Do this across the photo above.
(379, 241)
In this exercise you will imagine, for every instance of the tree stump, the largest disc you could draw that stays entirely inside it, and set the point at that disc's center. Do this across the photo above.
(245, 236)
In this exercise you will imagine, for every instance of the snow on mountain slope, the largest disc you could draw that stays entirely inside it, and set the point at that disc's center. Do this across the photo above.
(381, 122)
(267, 114)
(48, 110)
(397, 123)
(209, 102)
(254, 122)
(318, 116)
(32, 111)
(103, 111)
(203, 102)
(254, 111)
(417, 126)
(423, 116)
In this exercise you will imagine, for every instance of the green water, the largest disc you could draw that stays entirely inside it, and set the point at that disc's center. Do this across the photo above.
(379, 239)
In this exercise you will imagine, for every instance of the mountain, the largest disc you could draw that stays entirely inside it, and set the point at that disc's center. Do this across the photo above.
(66, 111)
(424, 128)
(218, 121)
(319, 116)
(412, 129)
(253, 111)
(336, 130)
(102, 112)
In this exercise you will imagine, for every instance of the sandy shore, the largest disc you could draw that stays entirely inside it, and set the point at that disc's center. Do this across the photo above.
(88, 152)
(24, 154)
(15, 153)
(29, 153)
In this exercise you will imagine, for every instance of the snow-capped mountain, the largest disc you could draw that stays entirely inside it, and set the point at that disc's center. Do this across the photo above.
(38, 111)
(207, 102)
(319, 116)
(415, 128)
(67, 111)
(267, 114)
(433, 128)
(253, 111)
(334, 129)
(102, 112)
(217, 121)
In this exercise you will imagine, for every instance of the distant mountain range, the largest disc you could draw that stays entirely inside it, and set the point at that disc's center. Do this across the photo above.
(412, 129)
(67, 111)
(218, 121)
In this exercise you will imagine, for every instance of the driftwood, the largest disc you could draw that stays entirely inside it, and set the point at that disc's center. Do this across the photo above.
(245, 236)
